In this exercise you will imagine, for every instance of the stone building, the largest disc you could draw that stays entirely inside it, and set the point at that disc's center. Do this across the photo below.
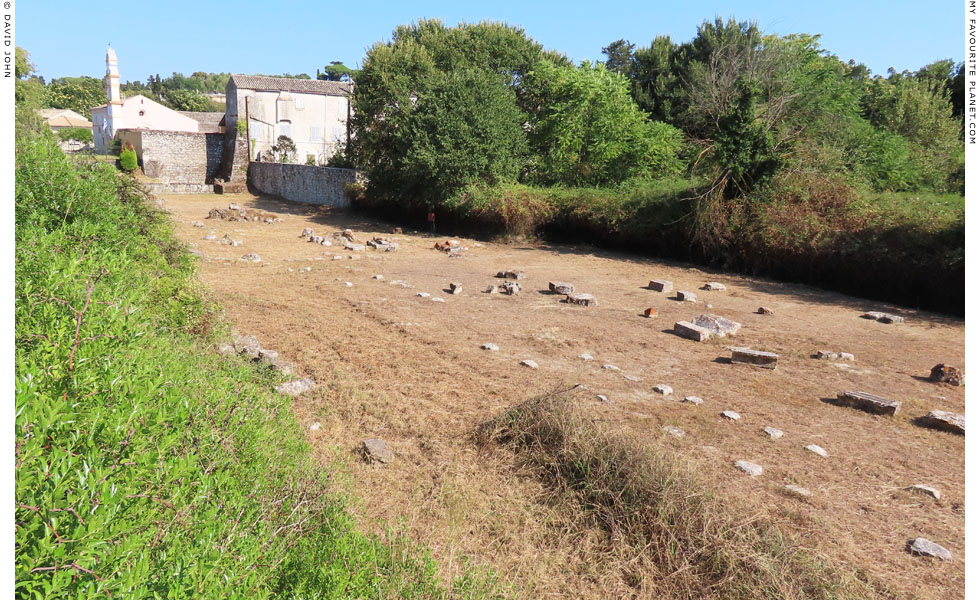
(312, 113)
(135, 112)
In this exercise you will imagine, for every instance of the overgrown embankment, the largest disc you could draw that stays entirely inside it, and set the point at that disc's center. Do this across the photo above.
(147, 466)
(906, 248)
(686, 540)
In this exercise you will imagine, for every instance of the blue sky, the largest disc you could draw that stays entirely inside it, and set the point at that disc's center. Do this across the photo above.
(69, 38)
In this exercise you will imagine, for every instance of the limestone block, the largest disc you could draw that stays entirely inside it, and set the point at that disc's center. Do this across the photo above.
(582, 299)
(691, 331)
(748, 467)
(376, 450)
(869, 403)
(560, 287)
(719, 326)
(659, 285)
(923, 547)
(758, 358)
(945, 421)
(686, 296)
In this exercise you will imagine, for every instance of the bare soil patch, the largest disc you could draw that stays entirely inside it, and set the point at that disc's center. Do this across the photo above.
(409, 370)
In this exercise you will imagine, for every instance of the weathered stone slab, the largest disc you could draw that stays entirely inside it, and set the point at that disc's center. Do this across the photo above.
(923, 547)
(582, 299)
(816, 450)
(423, 294)
(438, 299)
(719, 326)
(602, 398)
(560, 287)
(731, 415)
(632, 378)
(925, 489)
(511, 288)
(673, 430)
(269, 357)
(511, 274)
(295, 388)
(798, 491)
(251, 257)
(663, 388)
(529, 363)
(379, 277)
(224, 349)
(585, 356)
(377, 450)
(490, 346)
(714, 286)
(869, 403)
(748, 467)
(828, 355)
(883, 317)
(945, 421)
(943, 373)
(660, 285)
(773, 433)
(455, 288)
(247, 345)
(686, 296)
(765, 311)
(695, 400)
(691, 331)
(492, 289)
(758, 358)
(610, 367)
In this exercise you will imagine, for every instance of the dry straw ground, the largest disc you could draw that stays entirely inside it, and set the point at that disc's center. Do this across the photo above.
(409, 370)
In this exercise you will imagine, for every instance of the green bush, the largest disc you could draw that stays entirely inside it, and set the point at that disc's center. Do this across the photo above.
(128, 159)
(146, 465)
(81, 134)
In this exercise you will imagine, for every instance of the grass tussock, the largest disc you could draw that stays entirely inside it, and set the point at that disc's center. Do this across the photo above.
(682, 539)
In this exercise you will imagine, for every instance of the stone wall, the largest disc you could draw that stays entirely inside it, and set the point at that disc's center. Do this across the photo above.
(182, 162)
(302, 183)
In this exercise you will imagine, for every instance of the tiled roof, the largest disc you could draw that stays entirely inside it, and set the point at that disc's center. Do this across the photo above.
(61, 117)
(285, 84)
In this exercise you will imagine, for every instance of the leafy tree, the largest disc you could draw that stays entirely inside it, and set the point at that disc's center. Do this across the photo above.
(81, 134)
(80, 94)
(589, 131)
(29, 91)
(181, 99)
(284, 150)
(337, 71)
(619, 57)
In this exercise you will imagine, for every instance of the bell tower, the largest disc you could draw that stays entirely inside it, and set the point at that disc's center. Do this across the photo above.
(115, 107)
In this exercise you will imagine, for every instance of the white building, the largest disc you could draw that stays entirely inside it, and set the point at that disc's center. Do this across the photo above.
(312, 113)
(135, 112)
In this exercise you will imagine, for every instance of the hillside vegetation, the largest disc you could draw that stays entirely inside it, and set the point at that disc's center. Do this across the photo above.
(761, 153)
(147, 466)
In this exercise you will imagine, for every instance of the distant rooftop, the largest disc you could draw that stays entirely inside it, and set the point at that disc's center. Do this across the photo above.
(285, 84)
(62, 117)
(209, 121)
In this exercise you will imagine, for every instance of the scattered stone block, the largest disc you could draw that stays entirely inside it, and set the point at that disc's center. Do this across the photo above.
(663, 388)
(923, 547)
(632, 378)
(798, 491)
(582, 299)
(610, 367)
(925, 489)
(295, 388)
(376, 450)
(816, 450)
(869, 403)
(511, 288)
(490, 346)
(225, 349)
(353, 247)
(674, 431)
(560, 287)
(247, 345)
(719, 326)
(602, 397)
(695, 400)
(346, 283)
(714, 286)
(748, 467)
(828, 355)
(585, 356)
(251, 257)
(883, 317)
(379, 277)
(731, 415)
(491, 289)
(437, 299)
(529, 363)
(765, 311)
(659, 285)
(510, 274)
(943, 373)
(773, 433)
(315, 427)
(423, 294)
(758, 358)
(945, 421)
(197, 224)
(650, 313)
(691, 331)
(269, 357)
(315, 239)
(455, 288)
(686, 296)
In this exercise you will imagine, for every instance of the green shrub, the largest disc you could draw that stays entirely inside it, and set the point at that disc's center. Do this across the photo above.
(81, 134)
(128, 159)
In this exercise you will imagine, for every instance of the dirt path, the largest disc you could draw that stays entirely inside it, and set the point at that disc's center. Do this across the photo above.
(405, 368)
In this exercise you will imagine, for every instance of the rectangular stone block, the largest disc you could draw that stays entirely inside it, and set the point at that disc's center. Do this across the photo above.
(582, 299)
(883, 317)
(758, 358)
(869, 403)
(659, 285)
(560, 287)
(945, 421)
(691, 331)
(686, 296)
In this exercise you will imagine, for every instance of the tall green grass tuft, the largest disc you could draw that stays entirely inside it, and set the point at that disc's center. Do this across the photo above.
(146, 466)
(683, 539)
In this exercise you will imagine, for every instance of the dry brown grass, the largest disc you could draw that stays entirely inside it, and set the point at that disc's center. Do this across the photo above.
(686, 541)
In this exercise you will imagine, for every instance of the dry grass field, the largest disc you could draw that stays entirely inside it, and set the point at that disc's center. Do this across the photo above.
(404, 368)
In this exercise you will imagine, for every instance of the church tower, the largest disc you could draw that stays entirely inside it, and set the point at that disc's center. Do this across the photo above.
(114, 110)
